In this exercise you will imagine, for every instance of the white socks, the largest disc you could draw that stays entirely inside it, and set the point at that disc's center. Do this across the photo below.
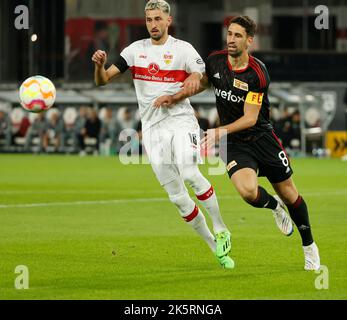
(205, 193)
(189, 211)
(198, 222)
(209, 200)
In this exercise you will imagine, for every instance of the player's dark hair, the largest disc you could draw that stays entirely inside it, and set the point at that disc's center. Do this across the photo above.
(245, 22)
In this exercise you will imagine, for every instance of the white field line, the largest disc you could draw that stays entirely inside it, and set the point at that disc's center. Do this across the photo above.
(19, 192)
(79, 203)
(141, 200)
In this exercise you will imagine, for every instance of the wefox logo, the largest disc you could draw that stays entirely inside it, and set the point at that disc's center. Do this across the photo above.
(228, 95)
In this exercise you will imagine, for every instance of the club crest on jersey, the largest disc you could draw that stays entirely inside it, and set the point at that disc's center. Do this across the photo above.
(153, 68)
(240, 85)
(168, 58)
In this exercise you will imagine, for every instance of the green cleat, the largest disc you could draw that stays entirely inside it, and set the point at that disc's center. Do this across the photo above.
(223, 240)
(226, 262)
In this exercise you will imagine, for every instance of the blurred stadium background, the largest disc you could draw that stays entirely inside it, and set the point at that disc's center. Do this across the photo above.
(307, 67)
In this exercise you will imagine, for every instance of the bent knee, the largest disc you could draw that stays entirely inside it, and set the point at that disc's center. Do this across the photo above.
(193, 177)
(289, 197)
(179, 196)
(190, 176)
(248, 192)
(183, 202)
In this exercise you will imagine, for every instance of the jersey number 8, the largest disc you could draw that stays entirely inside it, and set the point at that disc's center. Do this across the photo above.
(282, 155)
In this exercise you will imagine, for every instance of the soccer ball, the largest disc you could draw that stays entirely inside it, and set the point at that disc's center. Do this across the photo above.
(37, 94)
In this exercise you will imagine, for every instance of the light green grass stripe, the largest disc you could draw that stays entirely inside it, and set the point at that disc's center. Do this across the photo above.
(137, 200)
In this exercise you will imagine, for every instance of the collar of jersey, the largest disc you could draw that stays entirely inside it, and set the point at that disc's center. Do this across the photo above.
(160, 45)
(241, 70)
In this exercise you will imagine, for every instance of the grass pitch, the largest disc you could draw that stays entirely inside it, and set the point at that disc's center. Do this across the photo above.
(92, 228)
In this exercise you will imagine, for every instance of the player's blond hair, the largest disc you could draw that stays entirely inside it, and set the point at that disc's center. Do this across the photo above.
(158, 4)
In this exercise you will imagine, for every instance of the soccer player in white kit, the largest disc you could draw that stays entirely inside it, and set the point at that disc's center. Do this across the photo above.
(161, 65)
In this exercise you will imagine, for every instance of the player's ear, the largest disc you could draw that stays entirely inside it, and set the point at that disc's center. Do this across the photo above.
(169, 19)
(249, 41)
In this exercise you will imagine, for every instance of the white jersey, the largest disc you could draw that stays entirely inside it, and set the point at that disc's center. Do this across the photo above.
(160, 70)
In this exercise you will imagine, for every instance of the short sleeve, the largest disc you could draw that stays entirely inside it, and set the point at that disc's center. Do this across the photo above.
(194, 62)
(128, 55)
(208, 67)
(261, 79)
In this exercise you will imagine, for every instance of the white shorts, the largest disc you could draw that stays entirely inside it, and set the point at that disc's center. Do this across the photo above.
(172, 143)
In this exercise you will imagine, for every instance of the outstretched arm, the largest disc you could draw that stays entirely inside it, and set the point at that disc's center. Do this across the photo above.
(189, 87)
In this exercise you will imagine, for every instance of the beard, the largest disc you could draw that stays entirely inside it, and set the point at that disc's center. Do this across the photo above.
(235, 54)
(156, 37)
